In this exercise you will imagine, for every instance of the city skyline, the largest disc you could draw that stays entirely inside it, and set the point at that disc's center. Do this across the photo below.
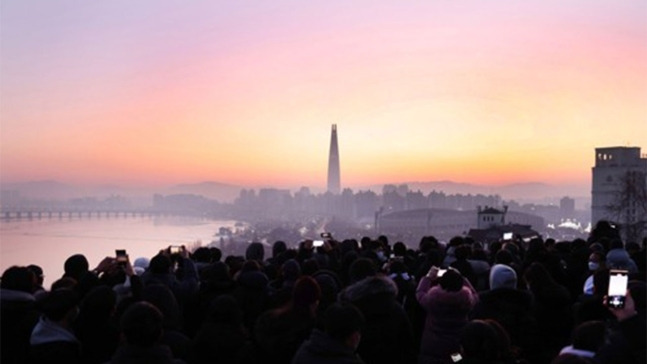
(160, 93)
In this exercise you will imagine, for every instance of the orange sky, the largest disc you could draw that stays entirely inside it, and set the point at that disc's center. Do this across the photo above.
(147, 95)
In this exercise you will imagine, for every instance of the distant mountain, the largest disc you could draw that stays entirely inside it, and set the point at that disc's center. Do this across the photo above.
(221, 192)
(532, 192)
(46, 190)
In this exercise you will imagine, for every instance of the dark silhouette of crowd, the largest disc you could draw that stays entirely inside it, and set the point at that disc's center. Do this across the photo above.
(346, 301)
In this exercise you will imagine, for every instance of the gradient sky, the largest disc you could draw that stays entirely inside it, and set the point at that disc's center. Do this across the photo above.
(153, 93)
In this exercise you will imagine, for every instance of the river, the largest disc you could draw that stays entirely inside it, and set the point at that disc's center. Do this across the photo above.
(48, 242)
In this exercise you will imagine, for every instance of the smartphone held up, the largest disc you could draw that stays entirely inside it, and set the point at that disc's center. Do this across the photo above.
(618, 280)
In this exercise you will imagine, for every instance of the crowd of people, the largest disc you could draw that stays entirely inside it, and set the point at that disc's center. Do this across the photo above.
(345, 301)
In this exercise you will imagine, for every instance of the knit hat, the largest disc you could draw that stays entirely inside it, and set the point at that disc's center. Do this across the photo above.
(306, 291)
(140, 265)
(502, 276)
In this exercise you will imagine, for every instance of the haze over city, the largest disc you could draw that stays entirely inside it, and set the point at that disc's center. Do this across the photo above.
(157, 93)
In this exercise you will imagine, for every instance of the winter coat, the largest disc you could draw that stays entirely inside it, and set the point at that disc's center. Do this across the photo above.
(447, 313)
(52, 342)
(387, 336)
(512, 308)
(279, 334)
(130, 354)
(18, 318)
(322, 349)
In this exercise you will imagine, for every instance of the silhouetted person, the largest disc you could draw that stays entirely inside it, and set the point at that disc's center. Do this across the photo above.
(53, 335)
(447, 300)
(19, 314)
(338, 341)
(280, 332)
(141, 325)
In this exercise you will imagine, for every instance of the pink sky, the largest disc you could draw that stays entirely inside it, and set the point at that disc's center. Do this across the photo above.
(163, 92)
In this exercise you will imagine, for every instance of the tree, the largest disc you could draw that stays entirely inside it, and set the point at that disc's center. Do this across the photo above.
(629, 205)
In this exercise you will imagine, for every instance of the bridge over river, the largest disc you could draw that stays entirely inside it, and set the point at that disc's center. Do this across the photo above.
(69, 213)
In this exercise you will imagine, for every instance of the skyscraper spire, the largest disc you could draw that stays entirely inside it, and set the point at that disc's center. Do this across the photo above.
(333, 163)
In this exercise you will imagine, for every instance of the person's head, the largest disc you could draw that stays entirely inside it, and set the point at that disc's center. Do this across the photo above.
(486, 340)
(60, 305)
(537, 275)
(99, 302)
(361, 268)
(399, 249)
(502, 276)
(306, 293)
(202, 255)
(255, 251)
(65, 282)
(278, 248)
(162, 297)
(597, 260)
(160, 264)
(225, 310)
(291, 270)
(18, 279)
(141, 324)
(588, 335)
(503, 257)
(451, 281)
(343, 322)
(38, 273)
(462, 252)
(76, 266)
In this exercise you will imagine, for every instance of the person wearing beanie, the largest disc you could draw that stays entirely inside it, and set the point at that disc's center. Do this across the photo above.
(502, 276)
(618, 258)
(509, 306)
(280, 332)
(388, 335)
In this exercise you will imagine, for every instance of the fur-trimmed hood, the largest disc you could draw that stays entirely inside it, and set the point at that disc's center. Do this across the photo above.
(369, 286)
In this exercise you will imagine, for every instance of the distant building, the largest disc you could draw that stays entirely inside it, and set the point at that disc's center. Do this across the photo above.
(334, 183)
(447, 223)
(567, 208)
(492, 227)
(617, 171)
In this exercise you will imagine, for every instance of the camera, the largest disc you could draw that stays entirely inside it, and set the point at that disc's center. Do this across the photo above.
(175, 249)
(317, 243)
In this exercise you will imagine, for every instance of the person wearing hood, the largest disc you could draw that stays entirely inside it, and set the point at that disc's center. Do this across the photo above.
(447, 298)
(388, 335)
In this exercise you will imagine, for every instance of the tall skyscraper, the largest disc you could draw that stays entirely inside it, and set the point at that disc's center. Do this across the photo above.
(333, 163)
(619, 176)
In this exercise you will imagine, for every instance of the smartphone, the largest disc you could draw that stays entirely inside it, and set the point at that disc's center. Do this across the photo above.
(317, 243)
(618, 280)
(507, 236)
(441, 272)
(456, 357)
(175, 249)
(326, 235)
(122, 257)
